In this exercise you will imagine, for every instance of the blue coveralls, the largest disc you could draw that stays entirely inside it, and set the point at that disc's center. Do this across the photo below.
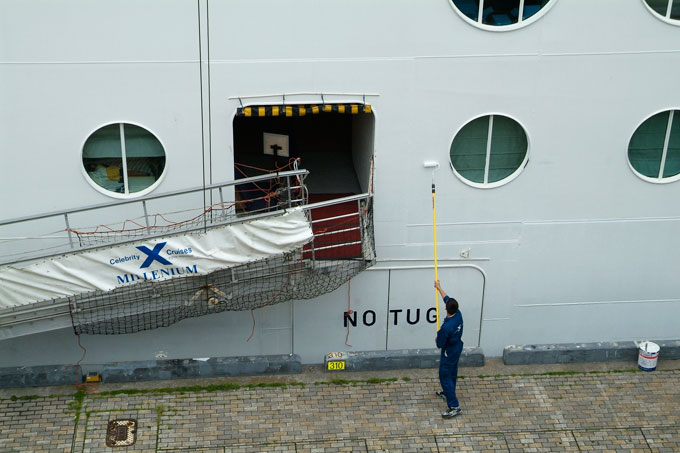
(449, 341)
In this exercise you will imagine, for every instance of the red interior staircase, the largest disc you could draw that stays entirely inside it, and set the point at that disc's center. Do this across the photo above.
(331, 240)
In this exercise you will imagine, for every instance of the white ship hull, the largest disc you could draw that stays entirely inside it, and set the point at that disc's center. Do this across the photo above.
(576, 248)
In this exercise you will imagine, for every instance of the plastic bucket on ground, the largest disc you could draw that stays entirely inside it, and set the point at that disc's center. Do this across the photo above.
(648, 353)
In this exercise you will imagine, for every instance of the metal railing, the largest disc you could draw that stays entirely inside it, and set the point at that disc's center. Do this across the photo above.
(54, 309)
(290, 192)
(343, 224)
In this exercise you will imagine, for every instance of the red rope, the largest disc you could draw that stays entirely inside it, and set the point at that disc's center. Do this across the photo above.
(252, 310)
(349, 311)
(88, 388)
(170, 223)
(267, 197)
(289, 165)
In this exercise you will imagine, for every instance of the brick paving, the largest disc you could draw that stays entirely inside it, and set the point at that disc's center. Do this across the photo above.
(605, 411)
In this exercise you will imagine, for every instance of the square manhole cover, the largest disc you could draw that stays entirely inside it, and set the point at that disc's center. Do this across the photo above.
(121, 433)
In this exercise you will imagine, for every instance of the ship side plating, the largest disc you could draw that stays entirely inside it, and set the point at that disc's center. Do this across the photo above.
(575, 246)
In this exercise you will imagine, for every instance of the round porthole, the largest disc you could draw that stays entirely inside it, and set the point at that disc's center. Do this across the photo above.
(654, 148)
(123, 159)
(501, 14)
(666, 10)
(489, 151)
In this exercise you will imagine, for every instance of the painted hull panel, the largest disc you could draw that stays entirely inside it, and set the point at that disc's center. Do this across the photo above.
(574, 249)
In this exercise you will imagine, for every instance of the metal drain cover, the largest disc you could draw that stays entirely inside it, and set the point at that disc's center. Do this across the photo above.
(121, 433)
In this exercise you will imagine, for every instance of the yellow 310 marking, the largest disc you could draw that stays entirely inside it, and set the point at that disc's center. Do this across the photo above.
(336, 365)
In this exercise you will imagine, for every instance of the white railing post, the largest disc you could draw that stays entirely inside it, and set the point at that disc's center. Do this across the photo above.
(146, 215)
(68, 229)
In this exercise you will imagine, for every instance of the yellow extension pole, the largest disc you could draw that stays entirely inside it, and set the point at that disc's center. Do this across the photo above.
(434, 233)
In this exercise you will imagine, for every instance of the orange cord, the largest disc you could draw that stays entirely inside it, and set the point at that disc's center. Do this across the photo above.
(86, 387)
(252, 310)
(267, 197)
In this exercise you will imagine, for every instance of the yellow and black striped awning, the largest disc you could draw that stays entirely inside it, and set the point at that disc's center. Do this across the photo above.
(302, 110)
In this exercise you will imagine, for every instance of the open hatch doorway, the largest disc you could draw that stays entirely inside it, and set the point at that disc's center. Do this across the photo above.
(334, 142)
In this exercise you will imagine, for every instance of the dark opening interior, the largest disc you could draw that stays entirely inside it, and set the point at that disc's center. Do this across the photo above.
(335, 148)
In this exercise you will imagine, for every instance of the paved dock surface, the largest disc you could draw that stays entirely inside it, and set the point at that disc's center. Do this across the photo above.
(601, 408)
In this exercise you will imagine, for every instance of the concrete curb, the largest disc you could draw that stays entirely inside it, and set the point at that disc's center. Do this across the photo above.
(583, 352)
(153, 370)
(40, 376)
(402, 359)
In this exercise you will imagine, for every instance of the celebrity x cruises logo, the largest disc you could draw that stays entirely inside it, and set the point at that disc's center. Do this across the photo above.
(153, 255)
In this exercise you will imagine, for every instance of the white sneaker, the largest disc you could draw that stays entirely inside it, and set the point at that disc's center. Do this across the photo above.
(452, 412)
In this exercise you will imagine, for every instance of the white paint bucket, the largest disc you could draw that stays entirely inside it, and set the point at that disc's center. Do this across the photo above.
(648, 353)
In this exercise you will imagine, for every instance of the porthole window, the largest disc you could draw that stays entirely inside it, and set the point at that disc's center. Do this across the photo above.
(489, 151)
(668, 10)
(123, 159)
(654, 148)
(501, 14)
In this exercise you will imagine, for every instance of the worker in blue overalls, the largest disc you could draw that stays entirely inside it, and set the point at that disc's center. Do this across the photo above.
(449, 340)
